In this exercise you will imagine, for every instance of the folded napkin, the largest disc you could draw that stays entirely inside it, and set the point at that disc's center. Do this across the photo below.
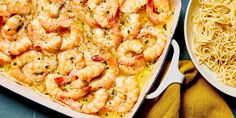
(195, 99)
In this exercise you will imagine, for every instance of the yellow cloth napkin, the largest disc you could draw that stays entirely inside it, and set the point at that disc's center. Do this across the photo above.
(195, 99)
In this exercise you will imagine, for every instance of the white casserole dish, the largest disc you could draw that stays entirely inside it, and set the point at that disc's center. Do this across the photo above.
(46, 101)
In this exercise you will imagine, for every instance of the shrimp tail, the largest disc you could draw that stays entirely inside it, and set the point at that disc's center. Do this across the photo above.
(150, 10)
(1, 21)
(163, 12)
(63, 80)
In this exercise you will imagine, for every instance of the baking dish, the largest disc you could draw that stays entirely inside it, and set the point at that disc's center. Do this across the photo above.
(8, 83)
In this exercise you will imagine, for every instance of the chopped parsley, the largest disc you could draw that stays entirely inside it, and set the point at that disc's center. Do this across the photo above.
(47, 66)
(164, 26)
(128, 31)
(71, 58)
(14, 63)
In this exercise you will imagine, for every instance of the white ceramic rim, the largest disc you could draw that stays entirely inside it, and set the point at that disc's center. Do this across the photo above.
(209, 75)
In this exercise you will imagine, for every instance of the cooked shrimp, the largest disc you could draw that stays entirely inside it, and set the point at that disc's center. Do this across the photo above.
(105, 12)
(4, 46)
(107, 38)
(36, 71)
(89, 72)
(56, 91)
(129, 63)
(52, 10)
(21, 7)
(11, 25)
(99, 13)
(10, 7)
(70, 59)
(106, 81)
(127, 95)
(42, 41)
(51, 43)
(92, 70)
(99, 100)
(86, 17)
(125, 50)
(132, 94)
(162, 8)
(79, 83)
(84, 10)
(92, 4)
(131, 26)
(19, 46)
(4, 12)
(131, 6)
(50, 17)
(118, 95)
(4, 58)
(153, 51)
(35, 30)
(52, 24)
(13, 42)
(72, 41)
(32, 66)
(108, 77)
(52, 7)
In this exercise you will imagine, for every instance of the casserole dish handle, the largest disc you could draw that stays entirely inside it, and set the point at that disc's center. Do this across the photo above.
(173, 74)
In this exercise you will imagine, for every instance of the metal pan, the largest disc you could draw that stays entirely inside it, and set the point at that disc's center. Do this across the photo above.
(46, 101)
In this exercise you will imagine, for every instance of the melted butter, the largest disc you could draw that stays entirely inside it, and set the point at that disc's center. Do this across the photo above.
(143, 16)
(104, 114)
(40, 87)
(144, 76)
(84, 101)
(5, 68)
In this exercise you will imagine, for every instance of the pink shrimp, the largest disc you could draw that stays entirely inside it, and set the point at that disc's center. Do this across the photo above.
(108, 38)
(162, 13)
(107, 79)
(155, 47)
(99, 100)
(13, 42)
(55, 91)
(4, 58)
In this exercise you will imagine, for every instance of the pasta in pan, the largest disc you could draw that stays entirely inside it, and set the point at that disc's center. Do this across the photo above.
(90, 55)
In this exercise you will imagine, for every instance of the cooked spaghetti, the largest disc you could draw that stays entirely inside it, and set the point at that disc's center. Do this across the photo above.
(214, 29)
